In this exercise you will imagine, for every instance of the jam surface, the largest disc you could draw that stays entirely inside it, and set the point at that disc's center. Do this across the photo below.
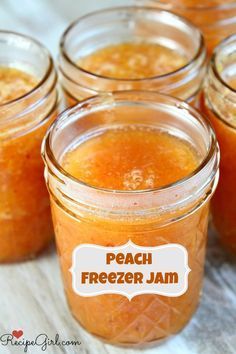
(14, 83)
(133, 61)
(131, 158)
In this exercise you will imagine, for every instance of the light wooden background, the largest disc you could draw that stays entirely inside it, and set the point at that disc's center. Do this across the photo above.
(31, 294)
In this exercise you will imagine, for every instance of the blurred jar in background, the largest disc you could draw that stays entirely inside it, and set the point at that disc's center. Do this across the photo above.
(28, 103)
(219, 104)
(161, 52)
(216, 18)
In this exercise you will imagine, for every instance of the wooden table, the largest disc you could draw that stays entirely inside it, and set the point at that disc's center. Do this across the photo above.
(31, 293)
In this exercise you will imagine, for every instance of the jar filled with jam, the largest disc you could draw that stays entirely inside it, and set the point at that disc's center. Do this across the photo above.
(132, 49)
(28, 103)
(216, 18)
(136, 166)
(219, 104)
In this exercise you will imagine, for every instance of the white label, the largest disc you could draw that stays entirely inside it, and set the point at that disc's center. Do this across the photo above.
(130, 270)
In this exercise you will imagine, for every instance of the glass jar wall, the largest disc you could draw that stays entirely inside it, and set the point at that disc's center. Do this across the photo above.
(216, 19)
(127, 26)
(28, 104)
(219, 104)
(87, 214)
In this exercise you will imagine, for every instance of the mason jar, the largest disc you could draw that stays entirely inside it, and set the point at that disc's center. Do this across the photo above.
(219, 104)
(25, 220)
(216, 18)
(128, 25)
(176, 213)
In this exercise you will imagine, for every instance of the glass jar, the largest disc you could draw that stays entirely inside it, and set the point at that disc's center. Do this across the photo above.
(25, 220)
(177, 213)
(216, 18)
(131, 25)
(219, 104)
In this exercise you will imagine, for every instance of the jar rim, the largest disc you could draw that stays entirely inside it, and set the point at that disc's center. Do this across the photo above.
(47, 151)
(180, 71)
(221, 83)
(217, 52)
(44, 78)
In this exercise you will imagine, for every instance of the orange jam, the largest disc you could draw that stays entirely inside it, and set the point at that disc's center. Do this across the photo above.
(15, 83)
(223, 205)
(216, 18)
(25, 226)
(133, 48)
(104, 161)
(232, 83)
(133, 61)
(28, 102)
(113, 165)
(219, 105)
(132, 159)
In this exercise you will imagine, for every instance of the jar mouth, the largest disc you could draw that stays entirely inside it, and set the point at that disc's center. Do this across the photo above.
(219, 53)
(129, 9)
(80, 110)
(225, 6)
(43, 79)
(220, 95)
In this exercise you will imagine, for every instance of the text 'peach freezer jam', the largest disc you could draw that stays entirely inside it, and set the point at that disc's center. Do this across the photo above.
(133, 61)
(25, 225)
(131, 158)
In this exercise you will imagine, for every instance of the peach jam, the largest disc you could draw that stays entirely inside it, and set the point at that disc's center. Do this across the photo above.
(15, 83)
(219, 105)
(133, 61)
(158, 159)
(216, 18)
(136, 166)
(131, 48)
(28, 102)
